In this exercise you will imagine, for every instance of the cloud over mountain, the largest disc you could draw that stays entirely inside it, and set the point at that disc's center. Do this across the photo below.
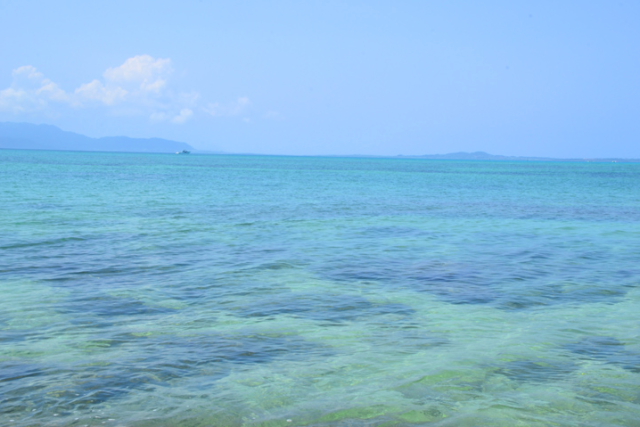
(31, 91)
(140, 86)
(140, 79)
(234, 108)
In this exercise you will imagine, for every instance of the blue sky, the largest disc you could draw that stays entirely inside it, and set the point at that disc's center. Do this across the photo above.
(531, 78)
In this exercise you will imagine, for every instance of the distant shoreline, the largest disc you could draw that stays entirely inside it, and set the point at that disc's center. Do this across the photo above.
(27, 136)
(490, 158)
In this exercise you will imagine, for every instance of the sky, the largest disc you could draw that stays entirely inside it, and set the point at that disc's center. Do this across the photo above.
(524, 78)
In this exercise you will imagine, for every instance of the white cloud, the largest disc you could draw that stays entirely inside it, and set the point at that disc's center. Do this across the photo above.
(139, 86)
(273, 115)
(231, 109)
(143, 70)
(98, 91)
(140, 80)
(183, 116)
(30, 91)
(179, 118)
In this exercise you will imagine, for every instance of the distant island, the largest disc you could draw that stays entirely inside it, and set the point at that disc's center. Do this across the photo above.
(481, 155)
(27, 136)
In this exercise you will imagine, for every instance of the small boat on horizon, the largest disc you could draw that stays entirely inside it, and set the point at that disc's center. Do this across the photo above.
(183, 152)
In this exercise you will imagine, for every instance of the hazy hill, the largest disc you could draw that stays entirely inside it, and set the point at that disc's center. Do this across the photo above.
(478, 155)
(47, 137)
(481, 155)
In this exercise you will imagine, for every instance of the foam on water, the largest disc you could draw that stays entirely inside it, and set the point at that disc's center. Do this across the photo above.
(159, 290)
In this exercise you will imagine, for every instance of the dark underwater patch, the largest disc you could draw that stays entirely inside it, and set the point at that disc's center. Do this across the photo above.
(13, 371)
(17, 380)
(321, 307)
(600, 348)
(276, 265)
(104, 305)
(12, 336)
(241, 349)
(606, 349)
(98, 385)
(507, 288)
(219, 290)
(66, 389)
(56, 242)
(393, 232)
(413, 340)
(536, 371)
(151, 362)
(361, 272)
(457, 287)
(509, 291)
(462, 286)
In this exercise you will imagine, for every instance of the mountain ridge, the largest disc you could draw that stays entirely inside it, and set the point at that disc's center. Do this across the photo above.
(29, 136)
(481, 155)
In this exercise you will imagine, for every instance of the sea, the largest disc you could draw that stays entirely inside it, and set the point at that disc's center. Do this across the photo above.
(144, 290)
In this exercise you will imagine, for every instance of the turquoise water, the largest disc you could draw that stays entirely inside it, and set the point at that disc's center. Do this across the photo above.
(162, 290)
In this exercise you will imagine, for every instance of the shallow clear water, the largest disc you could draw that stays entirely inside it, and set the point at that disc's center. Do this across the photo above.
(162, 290)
